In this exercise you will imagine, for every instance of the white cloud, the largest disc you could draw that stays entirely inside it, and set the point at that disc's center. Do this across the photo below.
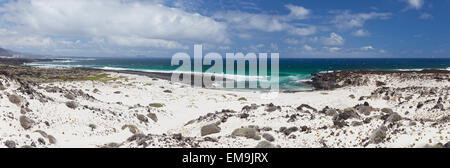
(347, 20)
(305, 31)
(298, 12)
(367, 48)
(333, 40)
(129, 23)
(269, 23)
(248, 21)
(426, 16)
(291, 41)
(307, 47)
(333, 49)
(416, 4)
(361, 33)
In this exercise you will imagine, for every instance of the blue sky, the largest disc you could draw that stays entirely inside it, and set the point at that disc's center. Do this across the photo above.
(295, 29)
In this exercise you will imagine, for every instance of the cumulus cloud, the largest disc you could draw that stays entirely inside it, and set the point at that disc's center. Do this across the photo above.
(269, 23)
(248, 21)
(415, 4)
(333, 40)
(361, 33)
(129, 23)
(291, 41)
(298, 12)
(347, 20)
(333, 49)
(307, 47)
(367, 48)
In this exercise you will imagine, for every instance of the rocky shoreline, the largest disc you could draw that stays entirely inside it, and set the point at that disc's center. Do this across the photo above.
(96, 108)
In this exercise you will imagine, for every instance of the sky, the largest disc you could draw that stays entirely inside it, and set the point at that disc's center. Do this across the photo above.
(293, 28)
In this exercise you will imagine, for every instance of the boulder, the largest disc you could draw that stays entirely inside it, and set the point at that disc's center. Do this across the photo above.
(357, 123)
(387, 110)
(250, 133)
(26, 122)
(271, 108)
(347, 114)
(268, 137)
(142, 118)
(290, 130)
(210, 129)
(10, 144)
(15, 99)
(72, 104)
(300, 108)
(378, 135)
(394, 117)
(364, 110)
(265, 144)
(152, 116)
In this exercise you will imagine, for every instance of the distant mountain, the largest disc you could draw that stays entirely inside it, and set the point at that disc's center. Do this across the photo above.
(6, 53)
(13, 54)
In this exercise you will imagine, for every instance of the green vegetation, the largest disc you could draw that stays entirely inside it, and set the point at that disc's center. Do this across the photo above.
(103, 77)
(156, 105)
(242, 99)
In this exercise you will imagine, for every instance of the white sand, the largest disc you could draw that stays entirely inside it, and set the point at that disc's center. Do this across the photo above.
(71, 127)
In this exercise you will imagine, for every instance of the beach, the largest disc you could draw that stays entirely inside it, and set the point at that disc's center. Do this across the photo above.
(86, 108)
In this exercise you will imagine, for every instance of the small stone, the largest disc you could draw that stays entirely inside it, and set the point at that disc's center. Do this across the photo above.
(265, 144)
(378, 135)
(250, 133)
(210, 129)
(177, 136)
(142, 118)
(136, 137)
(331, 112)
(367, 120)
(152, 116)
(51, 139)
(379, 83)
(419, 105)
(387, 110)
(41, 141)
(244, 115)
(290, 130)
(364, 110)
(92, 126)
(72, 104)
(266, 129)
(394, 117)
(15, 99)
(304, 128)
(96, 90)
(167, 91)
(447, 145)
(339, 124)
(70, 96)
(356, 123)
(26, 122)
(271, 108)
(10, 144)
(347, 114)
(117, 92)
(268, 137)
(210, 139)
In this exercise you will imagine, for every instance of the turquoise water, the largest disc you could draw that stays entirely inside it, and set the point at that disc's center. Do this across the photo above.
(293, 72)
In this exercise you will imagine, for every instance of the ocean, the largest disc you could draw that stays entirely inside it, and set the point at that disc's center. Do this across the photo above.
(293, 72)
